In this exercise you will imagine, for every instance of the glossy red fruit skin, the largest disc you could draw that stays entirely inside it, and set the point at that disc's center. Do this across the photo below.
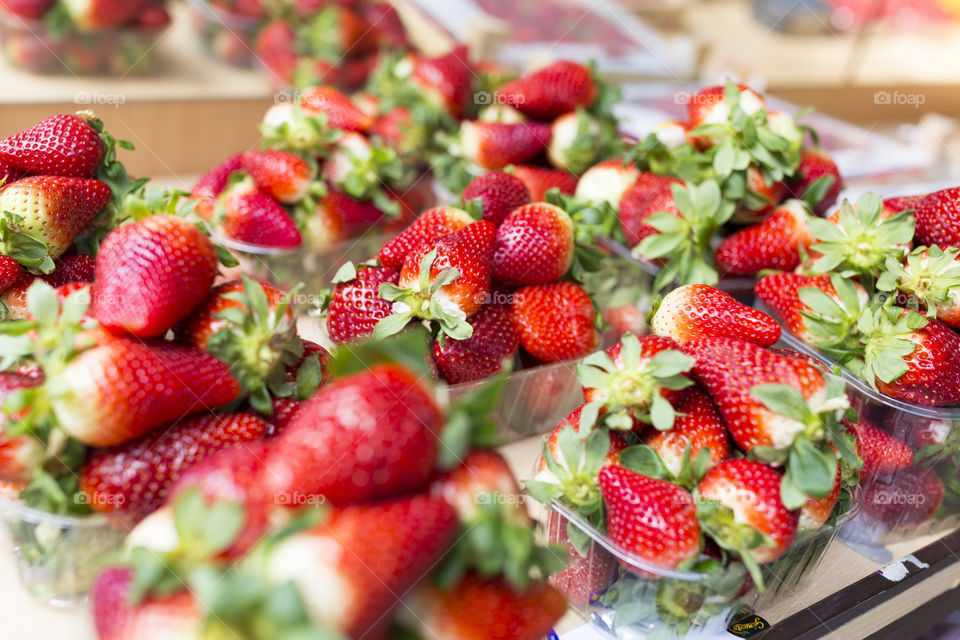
(33, 9)
(282, 175)
(938, 219)
(779, 291)
(494, 145)
(355, 216)
(904, 499)
(448, 77)
(356, 306)
(252, 216)
(701, 311)
(10, 272)
(211, 184)
(202, 324)
(384, 446)
(698, 424)
(773, 243)
(499, 194)
(550, 92)
(534, 245)
(114, 618)
(63, 145)
(933, 369)
(150, 274)
(71, 268)
(881, 452)
(653, 519)
(815, 163)
(539, 180)
(340, 110)
(135, 476)
(430, 226)
(618, 442)
(494, 340)
(650, 194)
(276, 49)
(555, 321)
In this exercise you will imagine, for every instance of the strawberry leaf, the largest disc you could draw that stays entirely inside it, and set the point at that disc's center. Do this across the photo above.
(782, 399)
(645, 461)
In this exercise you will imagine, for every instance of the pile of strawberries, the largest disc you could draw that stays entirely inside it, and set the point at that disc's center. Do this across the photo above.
(84, 37)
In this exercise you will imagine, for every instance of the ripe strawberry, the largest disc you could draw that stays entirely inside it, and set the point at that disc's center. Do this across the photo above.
(211, 185)
(881, 452)
(32, 9)
(747, 496)
(902, 203)
(539, 180)
(10, 272)
(553, 450)
(609, 180)
(19, 455)
(430, 226)
(905, 499)
(445, 81)
(710, 106)
(70, 268)
(276, 47)
(816, 164)
(356, 306)
(400, 130)
(585, 576)
(282, 175)
(135, 476)
(816, 511)
(14, 299)
(773, 243)
(478, 609)
(555, 321)
(326, 452)
(247, 214)
(578, 140)
(938, 219)
(283, 411)
(650, 194)
(470, 484)
(340, 110)
(387, 27)
(42, 215)
(494, 145)
(351, 216)
(206, 321)
(150, 274)
(159, 618)
(767, 195)
(93, 15)
(551, 91)
(368, 555)
(63, 145)
(653, 519)
(534, 245)
(494, 341)
(697, 426)
(499, 194)
(701, 311)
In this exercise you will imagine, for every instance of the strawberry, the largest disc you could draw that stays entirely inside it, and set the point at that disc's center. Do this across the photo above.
(335, 32)
(70, 268)
(31, 9)
(352, 216)
(135, 476)
(938, 218)
(491, 609)
(902, 203)
(499, 193)
(247, 214)
(494, 341)
(534, 245)
(817, 165)
(634, 382)
(701, 311)
(710, 105)
(14, 299)
(42, 215)
(578, 140)
(672, 133)
(276, 48)
(445, 81)
(356, 306)
(763, 194)
(363, 170)
(476, 481)
(697, 426)
(62, 145)
(206, 190)
(775, 242)
(494, 145)
(744, 514)
(817, 511)
(160, 618)
(586, 575)
(653, 519)
(20, 455)
(551, 91)
(10, 272)
(388, 29)
(447, 280)
(539, 180)
(282, 413)
(931, 279)
(326, 452)
(608, 181)
(881, 452)
(429, 227)
(150, 274)
(555, 321)
(400, 130)
(93, 15)
(368, 555)
(904, 499)
(649, 194)
(284, 176)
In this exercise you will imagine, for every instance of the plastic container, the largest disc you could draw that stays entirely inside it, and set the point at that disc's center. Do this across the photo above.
(227, 36)
(58, 556)
(30, 46)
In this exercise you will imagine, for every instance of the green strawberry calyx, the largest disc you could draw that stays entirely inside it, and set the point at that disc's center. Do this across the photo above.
(305, 133)
(832, 321)
(888, 334)
(23, 246)
(741, 539)
(372, 174)
(930, 278)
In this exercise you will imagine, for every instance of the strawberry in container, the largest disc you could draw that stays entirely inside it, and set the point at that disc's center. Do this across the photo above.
(228, 29)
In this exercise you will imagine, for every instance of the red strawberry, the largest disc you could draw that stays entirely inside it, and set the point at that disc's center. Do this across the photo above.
(248, 214)
(44, 214)
(276, 47)
(551, 91)
(93, 15)
(499, 194)
(19, 455)
(324, 451)
(284, 409)
(534, 245)
(356, 306)
(71, 268)
(539, 180)
(32, 9)
(388, 29)
(494, 145)
(10, 272)
(430, 226)
(14, 299)
(607, 181)
(816, 164)
(340, 110)
(901, 203)
(748, 495)
(701, 311)
(199, 327)
(482, 474)
(881, 452)
(351, 215)
(160, 618)
(150, 274)
(211, 184)
(780, 292)
(773, 243)
(135, 476)
(697, 426)
(494, 341)
(282, 175)
(445, 80)
(478, 609)
(770, 195)
(555, 321)
(398, 128)
(368, 555)
(63, 145)
(816, 511)
(938, 219)
(650, 194)
(585, 576)
(709, 106)
(904, 499)
(617, 444)
(653, 519)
